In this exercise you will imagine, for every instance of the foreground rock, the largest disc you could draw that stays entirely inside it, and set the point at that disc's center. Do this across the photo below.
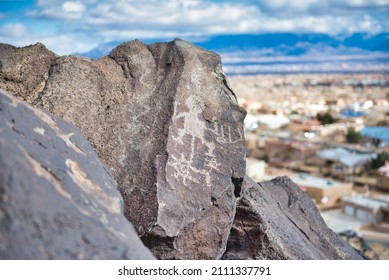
(276, 220)
(57, 201)
(164, 120)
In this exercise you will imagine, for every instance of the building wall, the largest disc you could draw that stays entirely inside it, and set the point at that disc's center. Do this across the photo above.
(359, 212)
(332, 195)
(341, 171)
(278, 151)
(382, 181)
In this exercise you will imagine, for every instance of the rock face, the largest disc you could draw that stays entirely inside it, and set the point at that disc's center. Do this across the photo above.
(164, 120)
(57, 201)
(24, 70)
(277, 220)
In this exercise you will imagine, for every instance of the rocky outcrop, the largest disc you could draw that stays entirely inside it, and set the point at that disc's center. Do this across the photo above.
(359, 244)
(276, 220)
(164, 120)
(24, 70)
(57, 201)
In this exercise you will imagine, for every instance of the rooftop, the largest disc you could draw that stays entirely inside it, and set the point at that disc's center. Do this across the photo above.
(271, 121)
(366, 202)
(306, 180)
(379, 132)
(384, 170)
(345, 156)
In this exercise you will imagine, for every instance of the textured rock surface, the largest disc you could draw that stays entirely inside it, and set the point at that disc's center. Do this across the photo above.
(359, 244)
(164, 120)
(277, 220)
(57, 201)
(23, 71)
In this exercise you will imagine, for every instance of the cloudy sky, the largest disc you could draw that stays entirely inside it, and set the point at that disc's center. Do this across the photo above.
(81, 25)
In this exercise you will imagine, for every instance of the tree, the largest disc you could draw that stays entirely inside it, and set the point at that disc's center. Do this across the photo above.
(353, 136)
(379, 160)
(325, 118)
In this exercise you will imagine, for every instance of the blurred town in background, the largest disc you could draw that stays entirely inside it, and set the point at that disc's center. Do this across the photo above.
(330, 135)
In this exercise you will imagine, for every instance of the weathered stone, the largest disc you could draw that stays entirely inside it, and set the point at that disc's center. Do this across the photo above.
(277, 220)
(359, 244)
(164, 120)
(23, 71)
(57, 201)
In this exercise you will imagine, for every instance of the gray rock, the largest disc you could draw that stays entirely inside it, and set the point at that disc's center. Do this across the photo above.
(164, 120)
(57, 201)
(277, 220)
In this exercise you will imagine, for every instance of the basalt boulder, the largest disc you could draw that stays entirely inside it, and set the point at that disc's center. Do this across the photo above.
(276, 220)
(164, 120)
(57, 200)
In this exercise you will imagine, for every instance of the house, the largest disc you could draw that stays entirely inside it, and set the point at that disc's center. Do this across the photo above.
(326, 193)
(281, 150)
(269, 121)
(300, 126)
(378, 135)
(255, 169)
(344, 163)
(373, 210)
(383, 177)
(335, 132)
(351, 115)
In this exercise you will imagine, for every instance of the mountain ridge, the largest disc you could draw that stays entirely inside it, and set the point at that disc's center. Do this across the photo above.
(320, 53)
(247, 42)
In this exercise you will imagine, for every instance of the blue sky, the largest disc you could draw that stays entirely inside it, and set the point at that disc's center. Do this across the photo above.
(79, 26)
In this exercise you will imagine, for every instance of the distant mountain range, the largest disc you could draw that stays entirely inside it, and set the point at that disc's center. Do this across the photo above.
(285, 53)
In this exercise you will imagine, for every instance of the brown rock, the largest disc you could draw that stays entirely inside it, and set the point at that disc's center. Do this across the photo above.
(23, 71)
(57, 201)
(164, 120)
(277, 220)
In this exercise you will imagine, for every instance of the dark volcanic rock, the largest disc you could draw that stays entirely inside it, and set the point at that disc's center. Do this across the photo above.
(57, 201)
(164, 120)
(277, 220)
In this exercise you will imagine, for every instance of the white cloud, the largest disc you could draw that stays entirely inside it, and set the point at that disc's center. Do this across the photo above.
(363, 3)
(19, 35)
(170, 16)
(68, 43)
(178, 17)
(58, 10)
(324, 24)
(204, 17)
(85, 24)
(297, 8)
(13, 30)
(287, 5)
(73, 7)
